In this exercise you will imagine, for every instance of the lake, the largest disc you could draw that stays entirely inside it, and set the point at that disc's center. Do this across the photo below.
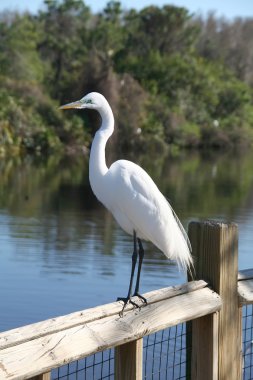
(61, 251)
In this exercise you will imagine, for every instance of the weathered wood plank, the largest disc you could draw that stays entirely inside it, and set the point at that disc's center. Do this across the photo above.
(215, 247)
(74, 343)
(40, 329)
(128, 361)
(245, 292)
(245, 274)
(43, 376)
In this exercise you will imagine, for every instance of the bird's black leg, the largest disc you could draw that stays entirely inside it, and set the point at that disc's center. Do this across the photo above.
(128, 297)
(141, 255)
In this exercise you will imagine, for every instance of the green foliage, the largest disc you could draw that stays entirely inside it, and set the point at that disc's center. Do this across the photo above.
(168, 77)
(19, 57)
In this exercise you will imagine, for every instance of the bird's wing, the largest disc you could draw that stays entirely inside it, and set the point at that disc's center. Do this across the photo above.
(129, 183)
(138, 204)
(134, 183)
(136, 196)
(145, 187)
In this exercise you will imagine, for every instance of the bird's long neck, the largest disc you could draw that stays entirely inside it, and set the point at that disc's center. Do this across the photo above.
(97, 165)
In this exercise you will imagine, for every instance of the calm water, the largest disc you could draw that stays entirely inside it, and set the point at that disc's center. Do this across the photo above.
(61, 252)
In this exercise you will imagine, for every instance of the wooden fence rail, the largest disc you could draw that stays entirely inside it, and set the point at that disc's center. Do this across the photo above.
(58, 341)
(211, 303)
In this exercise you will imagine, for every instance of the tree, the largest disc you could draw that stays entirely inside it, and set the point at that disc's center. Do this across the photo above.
(62, 46)
(19, 58)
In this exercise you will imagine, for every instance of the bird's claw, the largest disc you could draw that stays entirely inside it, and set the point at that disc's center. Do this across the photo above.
(126, 300)
(143, 299)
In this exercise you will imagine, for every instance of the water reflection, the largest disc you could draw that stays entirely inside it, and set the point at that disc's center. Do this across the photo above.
(61, 250)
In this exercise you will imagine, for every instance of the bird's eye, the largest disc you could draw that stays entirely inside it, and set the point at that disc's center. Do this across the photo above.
(88, 101)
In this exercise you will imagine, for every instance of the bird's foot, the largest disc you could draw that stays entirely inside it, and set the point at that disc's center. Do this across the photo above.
(126, 300)
(143, 299)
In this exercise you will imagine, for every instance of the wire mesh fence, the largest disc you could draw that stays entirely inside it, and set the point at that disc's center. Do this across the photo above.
(164, 357)
(247, 341)
(165, 354)
(98, 366)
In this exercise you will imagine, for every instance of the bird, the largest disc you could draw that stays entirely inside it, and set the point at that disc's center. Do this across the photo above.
(133, 198)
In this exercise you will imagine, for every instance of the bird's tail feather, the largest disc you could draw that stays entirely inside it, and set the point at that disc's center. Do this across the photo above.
(185, 259)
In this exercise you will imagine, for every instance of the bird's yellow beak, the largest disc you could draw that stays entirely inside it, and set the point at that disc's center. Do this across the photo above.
(72, 105)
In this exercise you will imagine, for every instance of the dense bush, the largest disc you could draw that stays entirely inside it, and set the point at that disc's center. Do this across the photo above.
(172, 79)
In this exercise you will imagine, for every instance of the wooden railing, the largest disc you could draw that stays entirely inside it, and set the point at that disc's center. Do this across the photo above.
(58, 341)
(212, 303)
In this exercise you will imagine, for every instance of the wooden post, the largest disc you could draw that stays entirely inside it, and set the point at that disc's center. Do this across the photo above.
(128, 361)
(215, 251)
(204, 351)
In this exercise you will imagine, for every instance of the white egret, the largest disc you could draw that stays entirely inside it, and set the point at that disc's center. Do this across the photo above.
(135, 201)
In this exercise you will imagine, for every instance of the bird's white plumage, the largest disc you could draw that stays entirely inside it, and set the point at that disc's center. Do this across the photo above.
(137, 204)
(130, 194)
